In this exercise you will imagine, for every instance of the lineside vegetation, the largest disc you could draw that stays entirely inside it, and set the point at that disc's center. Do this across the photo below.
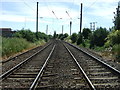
(20, 41)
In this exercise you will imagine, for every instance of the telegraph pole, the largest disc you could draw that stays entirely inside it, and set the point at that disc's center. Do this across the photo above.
(37, 22)
(70, 27)
(81, 18)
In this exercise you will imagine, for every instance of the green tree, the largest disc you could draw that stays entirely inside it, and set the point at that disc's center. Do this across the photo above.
(92, 40)
(80, 39)
(74, 37)
(60, 36)
(113, 38)
(114, 42)
(43, 36)
(66, 35)
(27, 34)
(50, 36)
(117, 19)
(55, 35)
(98, 37)
(86, 33)
(31, 36)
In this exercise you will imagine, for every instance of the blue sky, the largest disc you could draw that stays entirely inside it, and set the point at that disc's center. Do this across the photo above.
(18, 14)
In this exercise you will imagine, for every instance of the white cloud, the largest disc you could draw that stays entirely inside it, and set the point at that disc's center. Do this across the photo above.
(101, 10)
(104, 10)
(59, 11)
(15, 18)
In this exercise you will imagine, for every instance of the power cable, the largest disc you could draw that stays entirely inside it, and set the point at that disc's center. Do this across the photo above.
(28, 5)
(90, 5)
(48, 7)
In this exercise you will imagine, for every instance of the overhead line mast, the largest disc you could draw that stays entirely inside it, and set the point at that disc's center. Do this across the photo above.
(70, 22)
(37, 22)
(81, 18)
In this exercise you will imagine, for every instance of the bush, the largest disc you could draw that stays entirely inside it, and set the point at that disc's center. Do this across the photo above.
(26, 34)
(92, 39)
(11, 46)
(43, 36)
(86, 33)
(80, 39)
(98, 37)
(31, 36)
(87, 43)
(62, 36)
(66, 35)
(74, 37)
(55, 35)
(113, 38)
(116, 52)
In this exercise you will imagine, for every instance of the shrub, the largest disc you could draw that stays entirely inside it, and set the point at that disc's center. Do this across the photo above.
(55, 35)
(116, 52)
(26, 34)
(31, 36)
(11, 46)
(80, 39)
(98, 37)
(74, 37)
(43, 36)
(86, 33)
(113, 38)
(62, 36)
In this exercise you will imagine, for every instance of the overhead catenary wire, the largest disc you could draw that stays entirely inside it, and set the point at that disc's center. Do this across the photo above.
(55, 14)
(90, 6)
(28, 5)
(50, 15)
(51, 12)
(48, 8)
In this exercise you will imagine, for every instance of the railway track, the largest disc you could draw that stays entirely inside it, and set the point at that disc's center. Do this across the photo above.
(100, 74)
(60, 65)
(11, 62)
(56, 71)
(61, 71)
(23, 74)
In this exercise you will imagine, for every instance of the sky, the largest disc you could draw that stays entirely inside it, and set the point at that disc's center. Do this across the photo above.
(18, 14)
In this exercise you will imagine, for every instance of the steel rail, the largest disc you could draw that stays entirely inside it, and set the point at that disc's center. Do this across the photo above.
(21, 63)
(17, 56)
(81, 69)
(95, 58)
(33, 85)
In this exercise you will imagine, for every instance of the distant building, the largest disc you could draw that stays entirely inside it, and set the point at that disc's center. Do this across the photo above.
(6, 32)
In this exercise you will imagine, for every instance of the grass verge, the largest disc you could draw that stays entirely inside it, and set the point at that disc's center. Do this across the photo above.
(12, 46)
